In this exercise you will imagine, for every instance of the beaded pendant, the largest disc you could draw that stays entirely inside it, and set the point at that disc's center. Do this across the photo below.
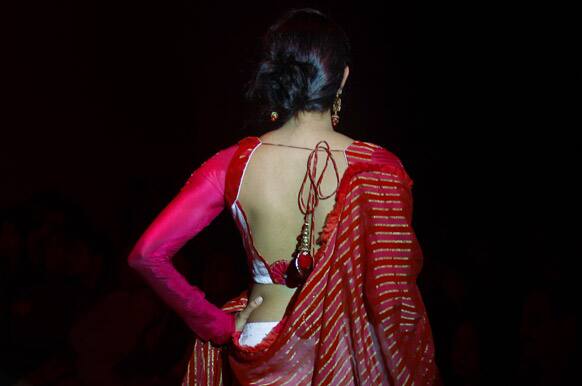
(303, 259)
(302, 262)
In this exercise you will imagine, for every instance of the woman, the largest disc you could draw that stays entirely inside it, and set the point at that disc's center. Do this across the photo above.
(345, 312)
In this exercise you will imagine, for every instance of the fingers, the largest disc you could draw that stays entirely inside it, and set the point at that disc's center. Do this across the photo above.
(250, 307)
(242, 316)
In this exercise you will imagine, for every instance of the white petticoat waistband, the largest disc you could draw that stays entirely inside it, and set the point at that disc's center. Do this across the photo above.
(254, 332)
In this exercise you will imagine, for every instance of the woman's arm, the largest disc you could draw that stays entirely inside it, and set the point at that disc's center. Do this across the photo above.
(197, 203)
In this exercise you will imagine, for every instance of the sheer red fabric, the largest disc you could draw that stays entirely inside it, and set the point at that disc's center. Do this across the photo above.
(359, 318)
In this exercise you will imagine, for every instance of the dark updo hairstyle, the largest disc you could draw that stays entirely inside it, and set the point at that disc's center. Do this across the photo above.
(304, 54)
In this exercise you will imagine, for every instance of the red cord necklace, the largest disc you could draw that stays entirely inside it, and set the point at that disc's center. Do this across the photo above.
(302, 257)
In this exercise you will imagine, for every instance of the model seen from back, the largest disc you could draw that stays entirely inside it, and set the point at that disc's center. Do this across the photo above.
(326, 222)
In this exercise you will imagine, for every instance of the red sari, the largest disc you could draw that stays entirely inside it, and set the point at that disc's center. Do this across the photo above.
(359, 319)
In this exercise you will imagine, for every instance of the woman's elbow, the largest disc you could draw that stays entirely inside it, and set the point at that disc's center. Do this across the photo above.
(136, 259)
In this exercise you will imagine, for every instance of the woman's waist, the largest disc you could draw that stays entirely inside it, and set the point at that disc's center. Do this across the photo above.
(276, 298)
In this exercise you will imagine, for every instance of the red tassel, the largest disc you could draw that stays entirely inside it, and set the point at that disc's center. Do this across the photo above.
(305, 261)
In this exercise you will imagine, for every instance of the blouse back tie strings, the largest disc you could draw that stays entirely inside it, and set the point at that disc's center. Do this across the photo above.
(302, 261)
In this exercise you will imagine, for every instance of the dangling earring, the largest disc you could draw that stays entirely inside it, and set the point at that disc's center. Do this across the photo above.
(337, 105)
(274, 116)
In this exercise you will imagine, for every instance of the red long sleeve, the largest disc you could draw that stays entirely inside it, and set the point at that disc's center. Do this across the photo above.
(197, 204)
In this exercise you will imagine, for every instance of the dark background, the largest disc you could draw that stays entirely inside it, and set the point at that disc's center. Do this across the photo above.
(111, 105)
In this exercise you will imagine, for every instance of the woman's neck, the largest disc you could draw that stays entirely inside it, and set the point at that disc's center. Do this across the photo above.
(308, 124)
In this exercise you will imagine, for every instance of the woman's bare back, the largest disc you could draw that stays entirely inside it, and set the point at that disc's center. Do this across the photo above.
(269, 195)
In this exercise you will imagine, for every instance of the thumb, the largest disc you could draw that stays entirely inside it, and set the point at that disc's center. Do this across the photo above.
(252, 305)
(244, 314)
(258, 300)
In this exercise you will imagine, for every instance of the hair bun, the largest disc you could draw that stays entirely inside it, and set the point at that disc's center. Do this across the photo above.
(289, 82)
(302, 66)
(289, 65)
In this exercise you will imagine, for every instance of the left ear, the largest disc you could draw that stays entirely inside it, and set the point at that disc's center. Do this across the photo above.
(346, 73)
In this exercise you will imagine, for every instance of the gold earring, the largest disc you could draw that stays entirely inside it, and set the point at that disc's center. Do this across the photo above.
(274, 116)
(337, 105)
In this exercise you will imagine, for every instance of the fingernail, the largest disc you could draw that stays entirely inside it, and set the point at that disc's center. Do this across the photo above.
(259, 299)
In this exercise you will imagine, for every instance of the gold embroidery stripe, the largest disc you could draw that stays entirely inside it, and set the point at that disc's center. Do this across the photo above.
(364, 153)
(355, 156)
(393, 233)
(331, 347)
(339, 356)
(391, 241)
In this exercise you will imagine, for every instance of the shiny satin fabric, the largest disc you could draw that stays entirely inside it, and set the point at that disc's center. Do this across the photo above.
(359, 319)
(197, 203)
